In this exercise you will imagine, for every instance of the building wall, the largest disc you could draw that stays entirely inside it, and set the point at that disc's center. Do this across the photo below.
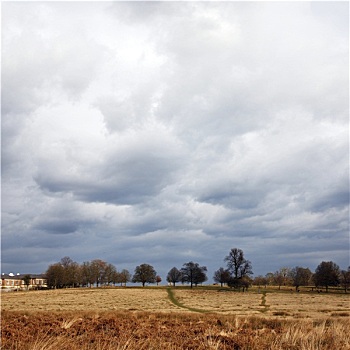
(12, 283)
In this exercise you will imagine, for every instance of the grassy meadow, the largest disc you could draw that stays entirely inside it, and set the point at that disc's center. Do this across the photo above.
(174, 318)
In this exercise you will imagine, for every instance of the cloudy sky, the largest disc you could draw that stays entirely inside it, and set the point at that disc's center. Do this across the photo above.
(165, 132)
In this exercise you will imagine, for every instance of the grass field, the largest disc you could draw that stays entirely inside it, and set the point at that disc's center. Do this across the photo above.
(101, 299)
(177, 318)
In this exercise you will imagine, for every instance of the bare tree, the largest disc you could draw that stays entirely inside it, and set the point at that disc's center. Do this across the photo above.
(71, 272)
(55, 276)
(269, 278)
(239, 268)
(174, 276)
(300, 277)
(193, 273)
(221, 276)
(144, 274)
(345, 278)
(87, 278)
(282, 277)
(237, 264)
(327, 274)
(98, 269)
(278, 279)
(260, 281)
(110, 274)
(124, 277)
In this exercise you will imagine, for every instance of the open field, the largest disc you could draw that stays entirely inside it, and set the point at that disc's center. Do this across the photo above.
(101, 299)
(308, 305)
(177, 318)
(221, 302)
(268, 303)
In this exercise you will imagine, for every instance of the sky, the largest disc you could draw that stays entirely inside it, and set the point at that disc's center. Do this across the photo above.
(169, 132)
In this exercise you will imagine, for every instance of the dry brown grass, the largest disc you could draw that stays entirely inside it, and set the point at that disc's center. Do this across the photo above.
(287, 304)
(225, 302)
(102, 299)
(156, 299)
(145, 330)
(308, 305)
(144, 318)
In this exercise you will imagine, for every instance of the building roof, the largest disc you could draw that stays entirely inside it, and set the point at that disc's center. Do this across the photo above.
(20, 276)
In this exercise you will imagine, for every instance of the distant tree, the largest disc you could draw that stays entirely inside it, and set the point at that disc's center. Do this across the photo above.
(110, 274)
(239, 268)
(26, 279)
(55, 276)
(201, 276)
(345, 279)
(278, 279)
(286, 273)
(238, 283)
(245, 282)
(71, 271)
(124, 277)
(174, 276)
(300, 276)
(144, 274)
(68, 273)
(282, 277)
(78, 278)
(221, 276)
(237, 264)
(193, 273)
(115, 277)
(158, 279)
(87, 278)
(327, 274)
(269, 278)
(98, 271)
(260, 281)
(66, 261)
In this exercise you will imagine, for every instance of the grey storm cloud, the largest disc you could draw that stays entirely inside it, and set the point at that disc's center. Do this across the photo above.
(164, 132)
(60, 226)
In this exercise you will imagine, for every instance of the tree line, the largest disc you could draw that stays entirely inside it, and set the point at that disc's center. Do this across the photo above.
(68, 273)
(327, 274)
(237, 274)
